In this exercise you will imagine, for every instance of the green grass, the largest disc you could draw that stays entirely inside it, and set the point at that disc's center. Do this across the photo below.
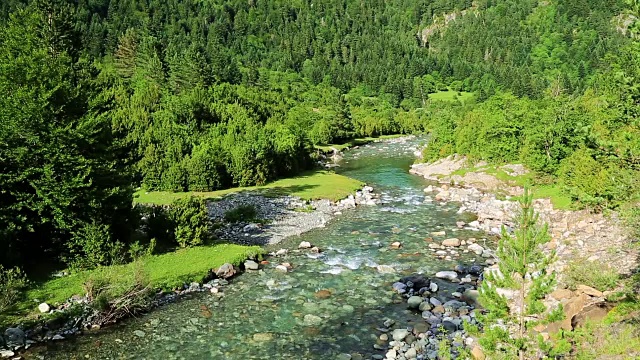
(355, 142)
(165, 271)
(309, 186)
(451, 95)
(591, 273)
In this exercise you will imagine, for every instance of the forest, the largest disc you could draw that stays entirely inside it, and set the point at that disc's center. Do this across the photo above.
(101, 97)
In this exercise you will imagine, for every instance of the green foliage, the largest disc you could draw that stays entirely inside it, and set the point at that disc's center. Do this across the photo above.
(242, 213)
(523, 268)
(13, 282)
(92, 246)
(191, 220)
(595, 274)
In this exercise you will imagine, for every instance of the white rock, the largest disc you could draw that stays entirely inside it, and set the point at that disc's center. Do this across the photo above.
(385, 269)
(281, 252)
(6, 353)
(410, 354)
(282, 268)
(44, 308)
(304, 245)
(478, 249)
(433, 287)
(400, 334)
(251, 265)
(448, 275)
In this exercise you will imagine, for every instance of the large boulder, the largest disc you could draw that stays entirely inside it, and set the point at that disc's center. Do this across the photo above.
(225, 271)
(14, 337)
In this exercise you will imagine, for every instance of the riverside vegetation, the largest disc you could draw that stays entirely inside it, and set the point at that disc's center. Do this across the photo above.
(190, 97)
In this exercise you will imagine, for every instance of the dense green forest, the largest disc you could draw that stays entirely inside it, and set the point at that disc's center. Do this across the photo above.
(103, 96)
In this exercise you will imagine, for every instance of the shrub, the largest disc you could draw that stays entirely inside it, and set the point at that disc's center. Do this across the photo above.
(138, 250)
(115, 296)
(92, 246)
(12, 283)
(243, 213)
(591, 273)
(191, 220)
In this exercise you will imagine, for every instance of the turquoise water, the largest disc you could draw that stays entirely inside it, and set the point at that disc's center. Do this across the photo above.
(329, 304)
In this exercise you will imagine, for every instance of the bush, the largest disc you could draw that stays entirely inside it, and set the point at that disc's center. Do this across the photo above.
(115, 296)
(191, 220)
(12, 283)
(243, 213)
(591, 273)
(91, 246)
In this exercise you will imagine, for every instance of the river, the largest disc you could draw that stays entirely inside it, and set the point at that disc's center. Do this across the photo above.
(328, 306)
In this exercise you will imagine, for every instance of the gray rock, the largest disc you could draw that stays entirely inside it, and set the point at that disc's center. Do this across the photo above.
(399, 334)
(424, 306)
(435, 302)
(251, 228)
(57, 337)
(414, 302)
(399, 287)
(139, 333)
(251, 265)
(14, 337)
(433, 287)
(449, 326)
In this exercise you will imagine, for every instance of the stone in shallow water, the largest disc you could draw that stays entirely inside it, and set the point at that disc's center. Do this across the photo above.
(385, 269)
(261, 337)
(251, 265)
(139, 333)
(448, 275)
(414, 302)
(304, 245)
(400, 334)
(312, 320)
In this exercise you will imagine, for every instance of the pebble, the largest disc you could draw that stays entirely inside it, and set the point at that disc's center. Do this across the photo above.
(139, 333)
(251, 265)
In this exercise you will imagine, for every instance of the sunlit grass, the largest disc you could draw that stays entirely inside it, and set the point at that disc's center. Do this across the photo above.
(165, 271)
(309, 186)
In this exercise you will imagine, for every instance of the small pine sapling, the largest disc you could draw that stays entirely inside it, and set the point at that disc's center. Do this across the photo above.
(522, 268)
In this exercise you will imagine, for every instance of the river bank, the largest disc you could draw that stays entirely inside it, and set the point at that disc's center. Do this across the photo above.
(280, 217)
(580, 238)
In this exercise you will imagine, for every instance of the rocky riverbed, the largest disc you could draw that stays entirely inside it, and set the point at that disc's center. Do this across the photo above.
(576, 236)
(281, 217)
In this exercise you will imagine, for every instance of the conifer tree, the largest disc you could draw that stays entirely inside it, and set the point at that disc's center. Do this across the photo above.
(523, 268)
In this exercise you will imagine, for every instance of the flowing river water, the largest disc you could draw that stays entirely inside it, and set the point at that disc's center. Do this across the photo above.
(329, 305)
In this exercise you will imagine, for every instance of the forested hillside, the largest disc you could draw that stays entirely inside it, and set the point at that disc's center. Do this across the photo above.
(103, 96)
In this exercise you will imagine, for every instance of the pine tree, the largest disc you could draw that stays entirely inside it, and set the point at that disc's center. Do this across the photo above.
(523, 268)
